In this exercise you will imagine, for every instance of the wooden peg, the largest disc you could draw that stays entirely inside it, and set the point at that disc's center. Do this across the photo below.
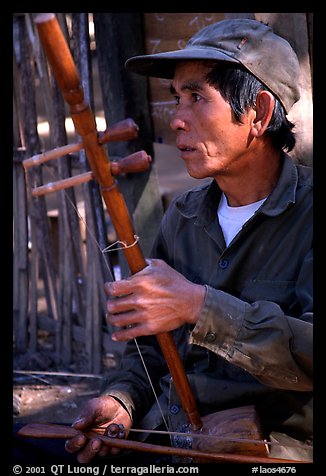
(126, 129)
(134, 163)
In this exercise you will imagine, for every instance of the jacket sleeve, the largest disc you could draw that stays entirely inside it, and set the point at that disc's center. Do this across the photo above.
(275, 348)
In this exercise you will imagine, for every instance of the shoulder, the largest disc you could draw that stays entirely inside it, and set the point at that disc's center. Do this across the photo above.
(305, 175)
(189, 201)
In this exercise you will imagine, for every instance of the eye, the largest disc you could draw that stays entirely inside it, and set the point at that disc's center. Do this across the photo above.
(195, 97)
(177, 100)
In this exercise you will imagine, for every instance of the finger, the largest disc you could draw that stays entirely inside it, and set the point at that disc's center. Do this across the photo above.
(132, 332)
(123, 285)
(124, 319)
(104, 451)
(121, 304)
(83, 422)
(117, 288)
(75, 444)
(91, 415)
(114, 451)
(89, 451)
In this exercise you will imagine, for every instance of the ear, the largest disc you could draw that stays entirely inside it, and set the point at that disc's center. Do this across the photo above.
(264, 110)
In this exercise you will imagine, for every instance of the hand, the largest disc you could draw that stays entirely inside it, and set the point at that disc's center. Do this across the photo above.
(154, 300)
(98, 412)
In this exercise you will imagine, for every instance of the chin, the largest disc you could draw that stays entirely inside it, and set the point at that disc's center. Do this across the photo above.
(197, 174)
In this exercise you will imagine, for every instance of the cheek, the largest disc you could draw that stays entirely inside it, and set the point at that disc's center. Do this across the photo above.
(216, 140)
(235, 135)
(225, 144)
(213, 127)
(218, 132)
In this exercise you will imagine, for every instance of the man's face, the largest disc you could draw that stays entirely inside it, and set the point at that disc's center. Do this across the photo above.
(211, 142)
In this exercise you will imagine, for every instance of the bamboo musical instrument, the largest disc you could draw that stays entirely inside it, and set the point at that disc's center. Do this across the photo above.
(67, 77)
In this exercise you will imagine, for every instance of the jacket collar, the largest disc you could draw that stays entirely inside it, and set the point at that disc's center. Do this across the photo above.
(201, 202)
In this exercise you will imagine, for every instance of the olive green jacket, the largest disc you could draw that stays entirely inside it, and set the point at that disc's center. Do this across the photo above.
(253, 341)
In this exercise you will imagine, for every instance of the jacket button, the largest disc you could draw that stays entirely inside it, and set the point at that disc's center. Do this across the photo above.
(174, 409)
(224, 263)
(210, 337)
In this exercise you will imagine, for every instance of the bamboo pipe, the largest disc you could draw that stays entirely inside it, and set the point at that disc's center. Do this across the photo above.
(66, 74)
(122, 130)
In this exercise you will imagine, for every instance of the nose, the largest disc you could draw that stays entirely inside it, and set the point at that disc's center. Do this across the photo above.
(177, 124)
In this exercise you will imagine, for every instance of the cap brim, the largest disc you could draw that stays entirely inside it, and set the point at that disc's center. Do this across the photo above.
(162, 65)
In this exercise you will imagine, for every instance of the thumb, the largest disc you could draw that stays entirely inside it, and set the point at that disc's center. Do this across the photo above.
(82, 422)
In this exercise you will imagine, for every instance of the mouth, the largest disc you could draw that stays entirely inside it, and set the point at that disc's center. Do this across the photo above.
(185, 150)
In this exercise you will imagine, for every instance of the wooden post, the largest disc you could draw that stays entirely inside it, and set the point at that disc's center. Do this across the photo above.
(20, 266)
(98, 265)
(37, 207)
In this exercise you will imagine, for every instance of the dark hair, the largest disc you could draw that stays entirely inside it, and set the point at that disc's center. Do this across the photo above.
(240, 88)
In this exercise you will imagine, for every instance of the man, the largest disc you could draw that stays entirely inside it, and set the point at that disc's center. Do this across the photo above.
(231, 268)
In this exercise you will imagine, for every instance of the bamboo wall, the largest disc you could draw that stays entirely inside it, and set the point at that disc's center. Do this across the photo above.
(59, 240)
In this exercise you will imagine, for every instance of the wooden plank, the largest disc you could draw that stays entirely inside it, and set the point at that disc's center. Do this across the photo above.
(33, 292)
(20, 264)
(95, 227)
(38, 207)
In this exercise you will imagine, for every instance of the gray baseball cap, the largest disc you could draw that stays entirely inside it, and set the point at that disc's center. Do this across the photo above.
(269, 57)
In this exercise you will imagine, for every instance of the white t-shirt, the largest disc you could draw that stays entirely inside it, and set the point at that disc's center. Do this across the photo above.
(233, 218)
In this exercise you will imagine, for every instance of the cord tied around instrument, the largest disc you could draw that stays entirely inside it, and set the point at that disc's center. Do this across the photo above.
(110, 248)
